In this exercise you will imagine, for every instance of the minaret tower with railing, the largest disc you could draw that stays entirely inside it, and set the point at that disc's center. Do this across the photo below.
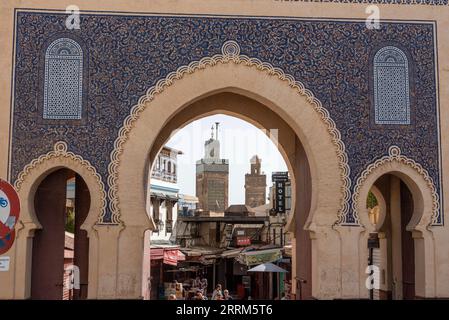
(212, 176)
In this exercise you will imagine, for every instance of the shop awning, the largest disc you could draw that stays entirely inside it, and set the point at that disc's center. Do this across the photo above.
(250, 258)
(156, 253)
(170, 256)
(288, 250)
(171, 197)
(201, 250)
(158, 195)
(202, 254)
(232, 253)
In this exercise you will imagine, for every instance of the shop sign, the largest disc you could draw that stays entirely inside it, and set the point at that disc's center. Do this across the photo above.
(4, 264)
(279, 176)
(243, 241)
(252, 258)
(280, 197)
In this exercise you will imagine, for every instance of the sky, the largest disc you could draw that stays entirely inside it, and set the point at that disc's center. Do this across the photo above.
(239, 142)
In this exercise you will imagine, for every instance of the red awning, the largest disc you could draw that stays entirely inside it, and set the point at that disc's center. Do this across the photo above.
(172, 257)
(68, 254)
(181, 256)
(156, 253)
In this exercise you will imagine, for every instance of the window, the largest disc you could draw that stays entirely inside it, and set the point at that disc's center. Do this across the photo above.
(391, 87)
(63, 87)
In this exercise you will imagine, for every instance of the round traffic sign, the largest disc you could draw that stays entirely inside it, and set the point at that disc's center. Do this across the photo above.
(9, 210)
(7, 241)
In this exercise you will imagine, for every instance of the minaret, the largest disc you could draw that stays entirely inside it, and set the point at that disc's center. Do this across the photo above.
(216, 130)
(212, 175)
(212, 147)
(255, 184)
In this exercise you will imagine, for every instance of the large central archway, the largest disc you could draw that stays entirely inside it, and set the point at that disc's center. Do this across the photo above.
(261, 86)
(288, 144)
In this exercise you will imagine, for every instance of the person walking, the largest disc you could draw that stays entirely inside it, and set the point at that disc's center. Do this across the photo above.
(227, 296)
(219, 297)
(204, 286)
(199, 295)
(217, 292)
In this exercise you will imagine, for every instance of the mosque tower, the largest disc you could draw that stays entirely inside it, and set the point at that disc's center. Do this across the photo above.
(212, 176)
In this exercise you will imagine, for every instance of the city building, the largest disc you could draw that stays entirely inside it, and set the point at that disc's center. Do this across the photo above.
(160, 251)
(279, 209)
(212, 175)
(224, 246)
(187, 205)
(255, 184)
(163, 190)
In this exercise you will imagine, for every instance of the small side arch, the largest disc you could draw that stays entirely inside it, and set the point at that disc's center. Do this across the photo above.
(26, 185)
(425, 214)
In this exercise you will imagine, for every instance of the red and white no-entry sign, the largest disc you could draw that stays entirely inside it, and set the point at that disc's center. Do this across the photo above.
(9, 215)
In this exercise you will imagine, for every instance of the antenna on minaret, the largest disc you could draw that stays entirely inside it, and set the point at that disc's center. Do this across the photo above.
(216, 130)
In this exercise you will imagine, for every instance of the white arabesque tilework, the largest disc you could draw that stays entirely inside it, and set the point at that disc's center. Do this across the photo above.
(391, 87)
(63, 89)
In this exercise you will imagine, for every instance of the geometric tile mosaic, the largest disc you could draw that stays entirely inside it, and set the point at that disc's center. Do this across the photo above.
(63, 86)
(391, 87)
(125, 55)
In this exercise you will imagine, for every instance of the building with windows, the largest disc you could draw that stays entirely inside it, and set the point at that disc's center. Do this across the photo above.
(255, 184)
(187, 205)
(279, 209)
(212, 177)
(160, 249)
(163, 191)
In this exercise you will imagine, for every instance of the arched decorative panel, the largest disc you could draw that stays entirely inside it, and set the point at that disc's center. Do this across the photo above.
(391, 87)
(63, 87)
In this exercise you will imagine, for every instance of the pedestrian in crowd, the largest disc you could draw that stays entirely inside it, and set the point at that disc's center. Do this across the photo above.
(203, 294)
(204, 285)
(227, 296)
(172, 297)
(199, 295)
(180, 292)
(219, 296)
(196, 283)
(217, 292)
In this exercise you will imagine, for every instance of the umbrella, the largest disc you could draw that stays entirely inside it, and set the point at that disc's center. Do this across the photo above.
(267, 267)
